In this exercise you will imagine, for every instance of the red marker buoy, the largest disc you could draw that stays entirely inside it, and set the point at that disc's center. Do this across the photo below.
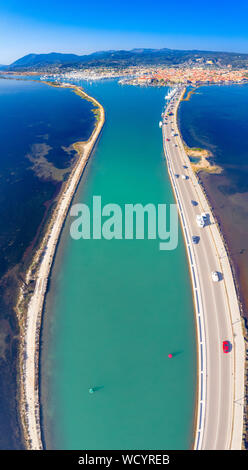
(170, 356)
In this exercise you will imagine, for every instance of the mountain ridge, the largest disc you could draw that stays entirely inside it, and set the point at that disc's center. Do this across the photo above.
(123, 57)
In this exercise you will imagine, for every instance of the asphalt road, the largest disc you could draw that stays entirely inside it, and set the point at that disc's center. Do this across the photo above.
(214, 307)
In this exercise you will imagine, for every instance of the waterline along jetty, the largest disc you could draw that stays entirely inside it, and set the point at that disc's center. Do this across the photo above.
(29, 355)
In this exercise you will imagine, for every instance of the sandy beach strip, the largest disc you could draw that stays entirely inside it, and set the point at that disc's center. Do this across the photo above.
(32, 317)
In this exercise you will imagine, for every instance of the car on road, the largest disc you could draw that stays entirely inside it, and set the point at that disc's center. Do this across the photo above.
(194, 203)
(175, 145)
(195, 239)
(199, 220)
(226, 346)
(168, 140)
(176, 175)
(215, 276)
(206, 218)
(185, 177)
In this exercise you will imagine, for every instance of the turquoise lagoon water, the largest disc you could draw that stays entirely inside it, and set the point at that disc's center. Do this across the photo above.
(115, 309)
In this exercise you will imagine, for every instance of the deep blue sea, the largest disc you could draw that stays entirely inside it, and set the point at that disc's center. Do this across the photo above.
(38, 125)
(216, 118)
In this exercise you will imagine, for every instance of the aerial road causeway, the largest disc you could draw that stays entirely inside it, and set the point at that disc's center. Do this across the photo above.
(220, 341)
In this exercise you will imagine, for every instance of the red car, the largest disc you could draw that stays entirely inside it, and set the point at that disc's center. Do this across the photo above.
(226, 347)
(167, 140)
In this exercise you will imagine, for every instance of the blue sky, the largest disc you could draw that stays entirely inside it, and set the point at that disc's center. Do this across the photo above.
(82, 27)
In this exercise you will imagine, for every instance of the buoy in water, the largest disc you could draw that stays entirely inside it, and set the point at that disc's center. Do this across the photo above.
(170, 356)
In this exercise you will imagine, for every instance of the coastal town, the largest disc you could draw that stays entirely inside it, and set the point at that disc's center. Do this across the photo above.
(189, 76)
(156, 76)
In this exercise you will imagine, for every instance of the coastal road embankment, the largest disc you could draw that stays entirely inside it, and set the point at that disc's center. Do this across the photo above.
(220, 394)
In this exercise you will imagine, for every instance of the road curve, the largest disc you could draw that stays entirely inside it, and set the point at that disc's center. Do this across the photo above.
(220, 394)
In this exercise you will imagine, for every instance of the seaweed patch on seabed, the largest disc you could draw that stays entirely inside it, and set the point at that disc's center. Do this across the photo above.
(4, 337)
(202, 161)
(42, 167)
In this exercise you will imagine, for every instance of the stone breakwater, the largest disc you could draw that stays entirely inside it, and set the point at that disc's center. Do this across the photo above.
(32, 293)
